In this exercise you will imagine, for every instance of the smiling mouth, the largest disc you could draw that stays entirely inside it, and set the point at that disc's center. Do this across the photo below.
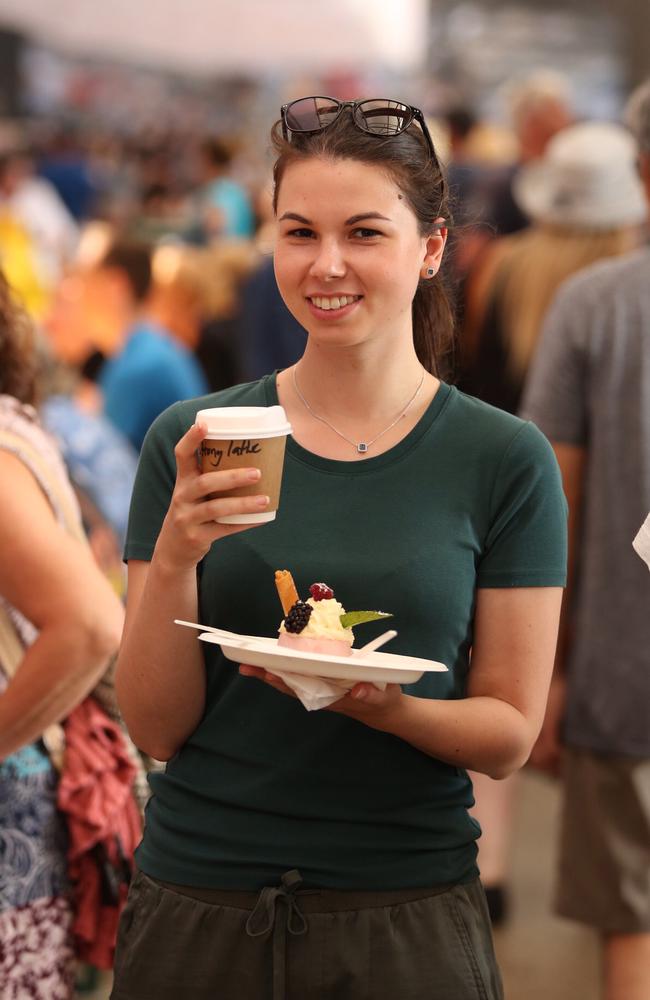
(333, 301)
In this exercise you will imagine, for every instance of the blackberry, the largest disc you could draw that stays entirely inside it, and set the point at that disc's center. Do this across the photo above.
(299, 615)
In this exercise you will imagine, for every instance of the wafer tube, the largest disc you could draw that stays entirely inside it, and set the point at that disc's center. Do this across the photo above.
(286, 589)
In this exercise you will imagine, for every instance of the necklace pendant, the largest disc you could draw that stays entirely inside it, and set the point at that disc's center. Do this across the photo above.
(361, 447)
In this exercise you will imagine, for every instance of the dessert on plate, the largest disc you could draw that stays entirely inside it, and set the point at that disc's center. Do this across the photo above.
(320, 624)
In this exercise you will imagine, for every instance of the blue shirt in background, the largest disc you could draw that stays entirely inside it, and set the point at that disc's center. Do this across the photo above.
(151, 372)
(232, 200)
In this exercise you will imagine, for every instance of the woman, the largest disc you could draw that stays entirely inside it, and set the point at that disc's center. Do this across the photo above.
(59, 624)
(401, 494)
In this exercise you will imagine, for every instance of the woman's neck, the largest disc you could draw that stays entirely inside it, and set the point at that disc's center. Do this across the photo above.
(355, 385)
(333, 404)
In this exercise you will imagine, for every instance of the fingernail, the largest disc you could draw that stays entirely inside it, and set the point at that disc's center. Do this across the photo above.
(254, 475)
(361, 693)
(263, 501)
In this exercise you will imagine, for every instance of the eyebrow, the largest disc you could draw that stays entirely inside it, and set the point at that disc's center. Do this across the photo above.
(348, 222)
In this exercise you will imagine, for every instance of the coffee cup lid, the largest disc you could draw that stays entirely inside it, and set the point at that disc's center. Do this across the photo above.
(245, 421)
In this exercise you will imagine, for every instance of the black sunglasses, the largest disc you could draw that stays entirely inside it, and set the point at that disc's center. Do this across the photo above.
(377, 116)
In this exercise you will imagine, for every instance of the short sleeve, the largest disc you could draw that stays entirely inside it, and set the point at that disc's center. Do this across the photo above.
(554, 397)
(526, 542)
(154, 484)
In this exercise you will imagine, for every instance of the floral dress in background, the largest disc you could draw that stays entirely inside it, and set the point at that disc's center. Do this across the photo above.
(36, 953)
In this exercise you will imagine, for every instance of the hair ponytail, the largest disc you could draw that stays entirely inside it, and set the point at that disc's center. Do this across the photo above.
(433, 327)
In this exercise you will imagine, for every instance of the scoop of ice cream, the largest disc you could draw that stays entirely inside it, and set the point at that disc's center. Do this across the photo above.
(325, 622)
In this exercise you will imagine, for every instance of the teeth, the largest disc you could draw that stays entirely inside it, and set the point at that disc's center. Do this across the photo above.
(335, 302)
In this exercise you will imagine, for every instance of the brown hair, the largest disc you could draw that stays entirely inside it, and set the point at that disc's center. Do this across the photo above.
(18, 355)
(406, 159)
(133, 259)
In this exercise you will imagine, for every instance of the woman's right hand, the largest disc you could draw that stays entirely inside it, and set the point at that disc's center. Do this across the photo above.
(190, 526)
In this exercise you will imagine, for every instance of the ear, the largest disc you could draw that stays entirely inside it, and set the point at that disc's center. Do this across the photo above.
(434, 249)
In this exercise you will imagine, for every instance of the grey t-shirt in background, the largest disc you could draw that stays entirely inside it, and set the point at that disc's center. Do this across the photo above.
(590, 386)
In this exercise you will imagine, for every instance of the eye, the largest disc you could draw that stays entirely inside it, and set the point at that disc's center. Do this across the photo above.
(364, 233)
(301, 234)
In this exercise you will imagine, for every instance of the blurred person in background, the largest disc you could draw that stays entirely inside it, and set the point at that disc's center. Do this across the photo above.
(59, 624)
(462, 169)
(540, 106)
(151, 368)
(224, 205)
(225, 270)
(101, 462)
(63, 161)
(32, 203)
(271, 337)
(585, 202)
(589, 392)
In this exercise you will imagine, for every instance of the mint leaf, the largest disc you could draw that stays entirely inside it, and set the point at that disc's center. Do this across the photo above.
(351, 618)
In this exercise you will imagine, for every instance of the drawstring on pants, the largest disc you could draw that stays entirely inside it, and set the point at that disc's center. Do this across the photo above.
(265, 918)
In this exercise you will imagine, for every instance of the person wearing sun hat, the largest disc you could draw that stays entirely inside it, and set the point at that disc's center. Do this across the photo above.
(589, 392)
(585, 202)
(586, 180)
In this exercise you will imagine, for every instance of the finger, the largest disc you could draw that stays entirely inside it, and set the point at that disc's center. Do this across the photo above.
(212, 510)
(220, 482)
(185, 450)
(246, 670)
(204, 535)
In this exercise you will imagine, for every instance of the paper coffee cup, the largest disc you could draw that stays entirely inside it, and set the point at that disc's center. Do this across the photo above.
(241, 437)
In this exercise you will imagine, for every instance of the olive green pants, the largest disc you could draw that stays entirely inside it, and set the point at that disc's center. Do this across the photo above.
(179, 943)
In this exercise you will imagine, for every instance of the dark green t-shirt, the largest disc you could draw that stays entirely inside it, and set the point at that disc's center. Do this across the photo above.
(471, 497)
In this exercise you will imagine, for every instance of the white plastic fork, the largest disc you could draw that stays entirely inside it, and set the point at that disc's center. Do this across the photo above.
(224, 633)
(374, 644)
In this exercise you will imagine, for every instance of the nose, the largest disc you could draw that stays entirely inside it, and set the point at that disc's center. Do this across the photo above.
(329, 261)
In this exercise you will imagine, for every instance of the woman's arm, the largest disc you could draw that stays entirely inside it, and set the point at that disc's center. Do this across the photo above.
(160, 677)
(52, 579)
(494, 728)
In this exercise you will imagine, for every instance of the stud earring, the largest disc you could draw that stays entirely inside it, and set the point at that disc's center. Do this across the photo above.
(430, 272)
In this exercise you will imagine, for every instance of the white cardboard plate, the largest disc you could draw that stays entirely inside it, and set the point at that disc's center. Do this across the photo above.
(387, 668)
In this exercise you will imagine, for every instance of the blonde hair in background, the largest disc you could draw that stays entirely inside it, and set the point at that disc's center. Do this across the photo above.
(532, 265)
(191, 285)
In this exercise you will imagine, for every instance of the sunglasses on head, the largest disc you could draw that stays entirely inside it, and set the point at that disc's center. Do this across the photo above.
(378, 116)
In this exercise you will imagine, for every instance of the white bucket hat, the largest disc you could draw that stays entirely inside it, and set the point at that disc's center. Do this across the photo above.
(587, 179)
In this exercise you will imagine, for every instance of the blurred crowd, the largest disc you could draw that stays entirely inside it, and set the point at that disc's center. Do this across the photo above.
(146, 263)
(146, 267)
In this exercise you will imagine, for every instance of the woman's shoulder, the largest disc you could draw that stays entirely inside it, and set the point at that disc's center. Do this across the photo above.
(495, 433)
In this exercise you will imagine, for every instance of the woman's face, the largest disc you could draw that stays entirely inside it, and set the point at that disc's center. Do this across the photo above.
(349, 255)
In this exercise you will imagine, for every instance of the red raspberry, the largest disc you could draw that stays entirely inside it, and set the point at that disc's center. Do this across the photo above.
(321, 592)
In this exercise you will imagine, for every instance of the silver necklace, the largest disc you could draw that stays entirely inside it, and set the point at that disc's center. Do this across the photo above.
(361, 446)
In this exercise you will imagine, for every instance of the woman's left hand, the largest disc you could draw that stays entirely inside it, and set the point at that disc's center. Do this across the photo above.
(363, 702)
